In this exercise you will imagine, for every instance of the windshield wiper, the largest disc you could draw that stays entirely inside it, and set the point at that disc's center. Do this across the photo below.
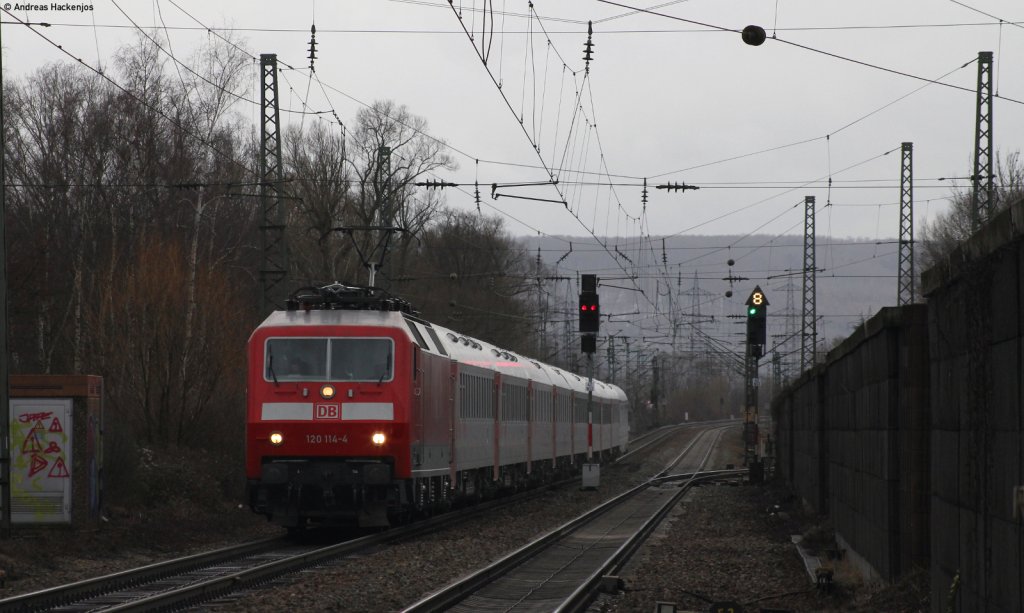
(387, 369)
(270, 367)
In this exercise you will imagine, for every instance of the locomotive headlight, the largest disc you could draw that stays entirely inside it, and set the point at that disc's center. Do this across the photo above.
(378, 438)
(276, 438)
(328, 391)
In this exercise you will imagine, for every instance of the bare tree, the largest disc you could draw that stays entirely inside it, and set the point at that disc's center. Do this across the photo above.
(714, 396)
(142, 344)
(117, 271)
(360, 180)
(940, 237)
(389, 151)
(203, 106)
(469, 273)
(315, 157)
(56, 154)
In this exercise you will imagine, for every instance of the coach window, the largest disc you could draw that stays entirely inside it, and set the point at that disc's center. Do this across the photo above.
(296, 359)
(361, 359)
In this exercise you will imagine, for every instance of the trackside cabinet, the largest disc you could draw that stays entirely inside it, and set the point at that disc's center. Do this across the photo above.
(56, 448)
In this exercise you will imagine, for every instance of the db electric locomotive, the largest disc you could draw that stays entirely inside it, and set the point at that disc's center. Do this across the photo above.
(361, 413)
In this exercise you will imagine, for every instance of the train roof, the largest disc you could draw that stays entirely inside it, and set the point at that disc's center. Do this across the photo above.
(322, 317)
(443, 341)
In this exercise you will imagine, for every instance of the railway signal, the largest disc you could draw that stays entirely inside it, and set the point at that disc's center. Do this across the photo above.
(590, 306)
(757, 321)
(590, 324)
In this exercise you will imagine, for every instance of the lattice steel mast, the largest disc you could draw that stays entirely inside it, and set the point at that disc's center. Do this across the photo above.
(776, 371)
(983, 194)
(274, 265)
(695, 316)
(542, 311)
(611, 359)
(809, 333)
(385, 214)
(790, 344)
(906, 274)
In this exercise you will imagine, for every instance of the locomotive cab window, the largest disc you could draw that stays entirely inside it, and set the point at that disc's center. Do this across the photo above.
(336, 359)
(296, 359)
(361, 359)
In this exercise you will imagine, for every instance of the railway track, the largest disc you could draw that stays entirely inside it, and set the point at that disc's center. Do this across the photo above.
(209, 576)
(200, 578)
(647, 441)
(562, 570)
(650, 439)
(65, 596)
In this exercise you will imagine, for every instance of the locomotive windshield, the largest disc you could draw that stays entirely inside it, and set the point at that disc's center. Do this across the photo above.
(335, 359)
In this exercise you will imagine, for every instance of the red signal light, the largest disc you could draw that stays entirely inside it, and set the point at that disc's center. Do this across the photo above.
(590, 312)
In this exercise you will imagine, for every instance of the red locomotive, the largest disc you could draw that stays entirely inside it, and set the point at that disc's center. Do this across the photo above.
(361, 413)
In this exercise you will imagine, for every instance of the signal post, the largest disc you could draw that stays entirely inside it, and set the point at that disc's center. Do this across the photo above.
(757, 319)
(590, 324)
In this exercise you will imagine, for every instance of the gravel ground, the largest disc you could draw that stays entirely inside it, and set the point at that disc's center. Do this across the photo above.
(720, 543)
(732, 544)
(713, 549)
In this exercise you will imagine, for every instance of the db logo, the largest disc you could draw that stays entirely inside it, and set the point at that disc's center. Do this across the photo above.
(327, 411)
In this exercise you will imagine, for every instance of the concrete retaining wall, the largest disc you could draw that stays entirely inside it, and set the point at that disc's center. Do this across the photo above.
(975, 301)
(800, 434)
(856, 431)
(877, 397)
(912, 436)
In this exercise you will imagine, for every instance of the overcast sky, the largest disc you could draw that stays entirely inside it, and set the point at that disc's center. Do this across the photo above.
(665, 98)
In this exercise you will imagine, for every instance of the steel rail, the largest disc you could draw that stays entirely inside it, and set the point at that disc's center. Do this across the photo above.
(581, 598)
(583, 595)
(455, 592)
(459, 590)
(218, 587)
(200, 591)
(69, 594)
(659, 434)
(651, 438)
(88, 588)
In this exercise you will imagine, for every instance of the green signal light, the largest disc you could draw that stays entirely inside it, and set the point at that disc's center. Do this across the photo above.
(752, 311)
